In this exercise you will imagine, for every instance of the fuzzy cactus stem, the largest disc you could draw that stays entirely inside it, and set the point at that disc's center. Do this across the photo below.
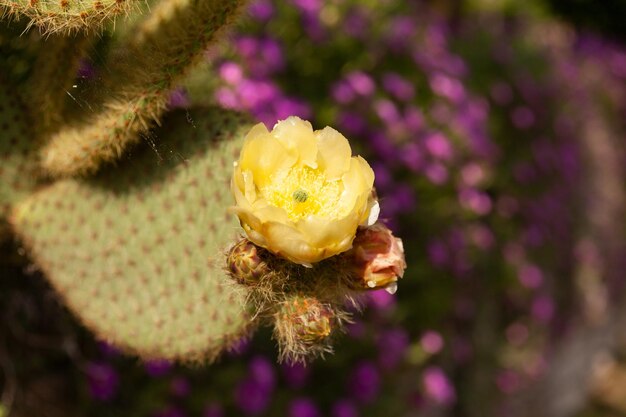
(142, 72)
(50, 82)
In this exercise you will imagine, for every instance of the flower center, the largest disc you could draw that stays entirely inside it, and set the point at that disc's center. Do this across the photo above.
(303, 191)
(300, 195)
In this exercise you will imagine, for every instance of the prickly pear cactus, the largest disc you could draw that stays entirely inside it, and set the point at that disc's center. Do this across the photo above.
(137, 251)
(123, 204)
(18, 162)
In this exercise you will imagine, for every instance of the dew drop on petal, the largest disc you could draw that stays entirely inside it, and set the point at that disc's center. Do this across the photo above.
(392, 288)
(374, 212)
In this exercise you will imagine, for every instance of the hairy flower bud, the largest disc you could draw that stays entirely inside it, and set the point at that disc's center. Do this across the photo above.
(377, 258)
(309, 319)
(244, 262)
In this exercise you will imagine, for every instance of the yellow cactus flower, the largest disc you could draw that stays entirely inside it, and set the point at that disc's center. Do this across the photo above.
(300, 193)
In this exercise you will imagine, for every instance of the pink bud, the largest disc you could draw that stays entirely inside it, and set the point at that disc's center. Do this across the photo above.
(378, 258)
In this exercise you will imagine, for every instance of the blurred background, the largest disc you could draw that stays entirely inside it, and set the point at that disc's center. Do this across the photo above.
(496, 130)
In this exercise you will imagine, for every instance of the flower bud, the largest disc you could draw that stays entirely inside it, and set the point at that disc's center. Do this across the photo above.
(307, 318)
(244, 262)
(377, 258)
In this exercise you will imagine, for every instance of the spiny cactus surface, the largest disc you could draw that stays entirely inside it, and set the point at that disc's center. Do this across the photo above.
(143, 70)
(66, 16)
(18, 161)
(137, 252)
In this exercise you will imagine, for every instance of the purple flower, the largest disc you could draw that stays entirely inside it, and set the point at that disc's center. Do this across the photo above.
(413, 119)
(399, 32)
(387, 111)
(381, 299)
(308, 6)
(356, 23)
(508, 381)
(437, 252)
(447, 87)
(436, 173)
(231, 73)
(289, 106)
(398, 86)
(342, 92)
(296, 374)
(361, 83)
(438, 146)
(103, 381)
(352, 123)
(543, 309)
(227, 98)
(180, 387)
(158, 367)
(475, 200)
(431, 342)
(344, 408)
(437, 386)
(171, 412)
(262, 371)
(392, 347)
(178, 99)
(303, 407)
(261, 10)
(254, 393)
(530, 276)
(251, 397)
(364, 383)
(522, 117)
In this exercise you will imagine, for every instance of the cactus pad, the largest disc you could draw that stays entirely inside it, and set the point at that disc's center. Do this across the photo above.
(138, 252)
(17, 154)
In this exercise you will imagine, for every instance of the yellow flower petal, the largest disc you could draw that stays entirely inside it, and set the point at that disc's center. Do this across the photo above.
(263, 155)
(321, 233)
(334, 153)
(290, 243)
(355, 184)
(296, 135)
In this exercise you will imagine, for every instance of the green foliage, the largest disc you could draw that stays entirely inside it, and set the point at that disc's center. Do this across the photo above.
(137, 252)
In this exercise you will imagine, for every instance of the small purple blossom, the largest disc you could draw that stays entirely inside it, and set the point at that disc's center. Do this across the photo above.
(344, 408)
(296, 374)
(103, 381)
(392, 348)
(431, 342)
(364, 382)
(180, 387)
(437, 386)
(158, 367)
(303, 407)
(398, 86)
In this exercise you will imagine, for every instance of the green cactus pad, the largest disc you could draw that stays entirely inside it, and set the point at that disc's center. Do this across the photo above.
(138, 252)
(18, 158)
